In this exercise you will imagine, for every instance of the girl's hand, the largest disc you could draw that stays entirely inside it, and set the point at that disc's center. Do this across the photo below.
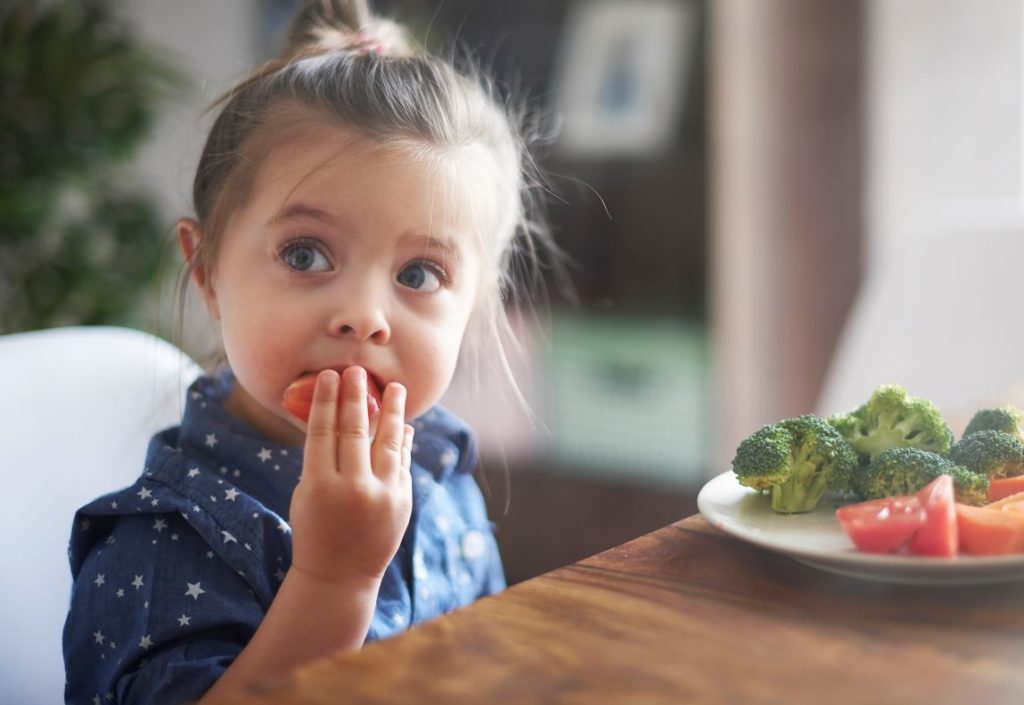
(353, 501)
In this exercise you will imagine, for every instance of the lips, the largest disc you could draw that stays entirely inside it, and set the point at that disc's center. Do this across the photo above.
(298, 397)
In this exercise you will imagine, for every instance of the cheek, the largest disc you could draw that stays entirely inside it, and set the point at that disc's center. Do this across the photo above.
(259, 349)
(428, 370)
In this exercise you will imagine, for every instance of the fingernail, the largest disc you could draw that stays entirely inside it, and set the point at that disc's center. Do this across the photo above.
(329, 380)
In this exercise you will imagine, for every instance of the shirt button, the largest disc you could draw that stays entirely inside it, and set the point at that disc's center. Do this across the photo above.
(474, 545)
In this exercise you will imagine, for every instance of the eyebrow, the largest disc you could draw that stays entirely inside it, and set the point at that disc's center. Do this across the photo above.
(448, 247)
(296, 211)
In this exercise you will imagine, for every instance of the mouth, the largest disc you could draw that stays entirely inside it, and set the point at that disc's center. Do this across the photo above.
(298, 397)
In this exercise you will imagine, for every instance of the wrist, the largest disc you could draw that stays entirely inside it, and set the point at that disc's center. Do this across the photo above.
(349, 583)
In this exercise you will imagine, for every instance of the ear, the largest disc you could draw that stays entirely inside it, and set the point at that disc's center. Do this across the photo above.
(190, 239)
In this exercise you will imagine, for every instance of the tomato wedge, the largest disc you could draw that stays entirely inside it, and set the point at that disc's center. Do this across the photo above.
(990, 532)
(1016, 498)
(998, 488)
(938, 535)
(882, 525)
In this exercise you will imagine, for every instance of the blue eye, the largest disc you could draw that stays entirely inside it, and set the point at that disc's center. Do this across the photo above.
(420, 276)
(304, 256)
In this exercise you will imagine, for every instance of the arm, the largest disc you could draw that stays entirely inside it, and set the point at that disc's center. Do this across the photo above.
(348, 513)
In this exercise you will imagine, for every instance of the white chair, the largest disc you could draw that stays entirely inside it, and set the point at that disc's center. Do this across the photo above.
(943, 315)
(79, 405)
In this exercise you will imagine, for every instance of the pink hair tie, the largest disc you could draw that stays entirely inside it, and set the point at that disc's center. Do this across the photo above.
(363, 43)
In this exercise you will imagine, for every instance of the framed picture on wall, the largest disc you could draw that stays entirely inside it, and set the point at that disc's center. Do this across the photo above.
(622, 76)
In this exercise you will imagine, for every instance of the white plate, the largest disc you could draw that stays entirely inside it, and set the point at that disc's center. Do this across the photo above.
(817, 539)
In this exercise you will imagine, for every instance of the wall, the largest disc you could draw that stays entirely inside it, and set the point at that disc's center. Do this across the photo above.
(943, 115)
(938, 308)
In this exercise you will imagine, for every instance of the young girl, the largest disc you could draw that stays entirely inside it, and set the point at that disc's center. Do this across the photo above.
(356, 204)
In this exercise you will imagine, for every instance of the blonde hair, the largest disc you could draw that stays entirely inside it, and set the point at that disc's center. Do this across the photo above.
(346, 65)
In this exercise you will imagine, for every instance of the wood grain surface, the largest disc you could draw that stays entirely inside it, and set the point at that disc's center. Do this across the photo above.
(689, 615)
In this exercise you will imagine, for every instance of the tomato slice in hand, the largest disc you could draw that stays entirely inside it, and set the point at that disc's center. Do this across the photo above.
(298, 397)
(882, 525)
(938, 535)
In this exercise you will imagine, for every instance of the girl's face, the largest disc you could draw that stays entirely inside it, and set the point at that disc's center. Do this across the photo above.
(345, 253)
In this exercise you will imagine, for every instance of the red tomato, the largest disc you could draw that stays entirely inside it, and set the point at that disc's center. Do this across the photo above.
(990, 532)
(882, 525)
(298, 397)
(938, 536)
(999, 488)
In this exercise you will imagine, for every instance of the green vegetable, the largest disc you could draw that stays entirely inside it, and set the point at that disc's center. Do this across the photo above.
(891, 419)
(903, 471)
(1008, 419)
(796, 460)
(993, 454)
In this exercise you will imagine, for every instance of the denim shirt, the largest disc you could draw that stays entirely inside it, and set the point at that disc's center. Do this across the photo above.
(173, 574)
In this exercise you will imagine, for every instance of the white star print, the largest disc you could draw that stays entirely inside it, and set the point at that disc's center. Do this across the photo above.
(138, 582)
(145, 493)
(146, 642)
(193, 472)
(99, 637)
(209, 554)
(183, 621)
(228, 537)
(283, 527)
(447, 457)
(231, 494)
(160, 525)
(113, 505)
(174, 537)
(194, 590)
(264, 454)
(120, 592)
(96, 700)
(211, 439)
(100, 579)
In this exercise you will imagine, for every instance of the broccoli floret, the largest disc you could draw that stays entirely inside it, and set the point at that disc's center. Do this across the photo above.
(1008, 419)
(891, 419)
(903, 471)
(993, 454)
(796, 460)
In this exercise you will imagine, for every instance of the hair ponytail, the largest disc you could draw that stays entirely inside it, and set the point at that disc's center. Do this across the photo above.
(344, 25)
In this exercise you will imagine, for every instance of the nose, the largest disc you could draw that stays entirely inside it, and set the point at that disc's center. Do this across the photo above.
(361, 314)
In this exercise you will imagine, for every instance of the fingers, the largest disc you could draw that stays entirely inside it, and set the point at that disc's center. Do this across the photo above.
(321, 448)
(353, 450)
(389, 445)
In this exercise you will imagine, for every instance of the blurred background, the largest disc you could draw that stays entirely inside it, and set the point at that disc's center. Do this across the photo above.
(771, 208)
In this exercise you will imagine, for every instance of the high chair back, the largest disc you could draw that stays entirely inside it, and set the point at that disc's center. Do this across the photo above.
(79, 405)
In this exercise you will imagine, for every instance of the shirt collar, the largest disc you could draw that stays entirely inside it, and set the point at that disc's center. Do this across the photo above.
(265, 469)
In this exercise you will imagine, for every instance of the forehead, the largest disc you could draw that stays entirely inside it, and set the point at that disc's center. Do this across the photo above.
(399, 185)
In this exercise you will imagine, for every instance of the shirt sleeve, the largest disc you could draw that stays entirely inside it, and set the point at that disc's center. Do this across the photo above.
(156, 616)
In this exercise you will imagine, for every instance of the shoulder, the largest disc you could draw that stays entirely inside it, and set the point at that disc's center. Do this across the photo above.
(182, 506)
(444, 443)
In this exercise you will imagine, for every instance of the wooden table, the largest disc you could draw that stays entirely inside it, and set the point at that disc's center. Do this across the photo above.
(687, 614)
